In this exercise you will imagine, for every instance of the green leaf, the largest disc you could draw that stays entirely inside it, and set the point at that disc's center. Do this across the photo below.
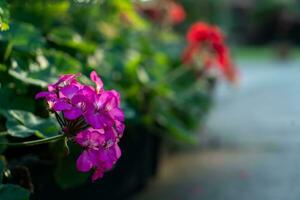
(24, 124)
(49, 65)
(69, 38)
(23, 76)
(13, 192)
(62, 62)
(23, 36)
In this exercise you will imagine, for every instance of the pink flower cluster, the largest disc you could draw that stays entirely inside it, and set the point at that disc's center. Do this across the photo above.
(90, 114)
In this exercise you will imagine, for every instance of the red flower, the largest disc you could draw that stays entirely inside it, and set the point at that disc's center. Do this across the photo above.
(176, 13)
(202, 36)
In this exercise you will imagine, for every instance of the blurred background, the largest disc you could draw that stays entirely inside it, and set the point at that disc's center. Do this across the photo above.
(249, 144)
(190, 134)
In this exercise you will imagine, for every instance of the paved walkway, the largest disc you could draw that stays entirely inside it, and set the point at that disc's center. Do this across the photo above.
(255, 131)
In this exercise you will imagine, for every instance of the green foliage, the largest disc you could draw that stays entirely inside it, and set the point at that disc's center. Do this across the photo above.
(24, 124)
(23, 36)
(50, 38)
(48, 65)
(68, 38)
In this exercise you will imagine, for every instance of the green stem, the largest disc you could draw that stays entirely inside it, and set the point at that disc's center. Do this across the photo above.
(35, 142)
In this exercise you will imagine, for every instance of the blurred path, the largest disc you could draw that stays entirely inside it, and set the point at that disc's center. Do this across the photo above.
(255, 131)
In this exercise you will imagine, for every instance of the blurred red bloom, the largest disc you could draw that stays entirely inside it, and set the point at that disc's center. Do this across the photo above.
(176, 13)
(202, 36)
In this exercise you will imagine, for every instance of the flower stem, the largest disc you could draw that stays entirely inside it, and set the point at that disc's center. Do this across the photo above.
(35, 142)
(60, 120)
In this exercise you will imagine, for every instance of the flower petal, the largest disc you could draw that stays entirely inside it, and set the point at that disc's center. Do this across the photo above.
(119, 128)
(97, 174)
(72, 113)
(68, 91)
(90, 138)
(117, 96)
(98, 120)
(42, 95)
(66, 78)
(61, 105)
(118, 151)
(97, 80)
(86, 161)
(117, 114)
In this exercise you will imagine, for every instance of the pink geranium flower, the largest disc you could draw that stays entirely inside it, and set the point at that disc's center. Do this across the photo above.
(101, 151)
(90, 114)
